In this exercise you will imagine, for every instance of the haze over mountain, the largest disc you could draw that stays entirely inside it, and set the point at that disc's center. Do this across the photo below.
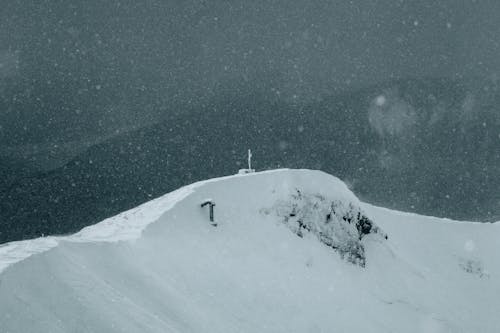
(77, 71)
(399, 99)
(429, 146)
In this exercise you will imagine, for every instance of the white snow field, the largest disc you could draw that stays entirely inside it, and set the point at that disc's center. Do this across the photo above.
(284, 257)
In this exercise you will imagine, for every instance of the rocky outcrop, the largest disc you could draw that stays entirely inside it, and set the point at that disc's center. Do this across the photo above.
(339, 224)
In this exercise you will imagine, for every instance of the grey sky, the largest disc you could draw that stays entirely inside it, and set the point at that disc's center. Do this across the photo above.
(74, 70)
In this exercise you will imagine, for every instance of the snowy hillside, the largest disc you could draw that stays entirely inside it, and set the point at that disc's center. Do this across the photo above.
(293, 251)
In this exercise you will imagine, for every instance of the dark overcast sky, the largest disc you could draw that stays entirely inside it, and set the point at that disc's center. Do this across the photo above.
(73, 70)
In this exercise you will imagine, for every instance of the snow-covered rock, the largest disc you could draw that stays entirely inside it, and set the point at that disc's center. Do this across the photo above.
(338, 223)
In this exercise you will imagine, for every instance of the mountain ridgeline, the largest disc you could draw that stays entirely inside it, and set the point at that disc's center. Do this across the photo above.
(430, 146)
(293, 251)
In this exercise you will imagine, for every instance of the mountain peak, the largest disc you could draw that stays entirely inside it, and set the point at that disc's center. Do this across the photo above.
(293, 250)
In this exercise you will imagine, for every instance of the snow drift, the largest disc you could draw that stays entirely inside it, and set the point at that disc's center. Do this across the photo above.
(293, 251)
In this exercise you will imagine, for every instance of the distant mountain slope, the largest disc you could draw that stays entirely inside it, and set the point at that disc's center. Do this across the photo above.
(429, 146)
(12, 170)
(162, 267)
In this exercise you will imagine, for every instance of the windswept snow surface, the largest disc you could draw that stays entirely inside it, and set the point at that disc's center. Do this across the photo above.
(162, 267)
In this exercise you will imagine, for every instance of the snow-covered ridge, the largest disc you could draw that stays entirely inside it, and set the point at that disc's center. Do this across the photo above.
(130, 224)
(279, 260)
(125, 226)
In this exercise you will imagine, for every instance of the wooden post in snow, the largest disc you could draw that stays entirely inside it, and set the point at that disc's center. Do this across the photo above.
(211, 204)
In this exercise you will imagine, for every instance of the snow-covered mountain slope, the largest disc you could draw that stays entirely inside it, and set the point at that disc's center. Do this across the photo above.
(293, 251)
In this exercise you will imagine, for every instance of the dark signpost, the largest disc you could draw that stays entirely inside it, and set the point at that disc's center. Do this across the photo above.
(211, 204)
